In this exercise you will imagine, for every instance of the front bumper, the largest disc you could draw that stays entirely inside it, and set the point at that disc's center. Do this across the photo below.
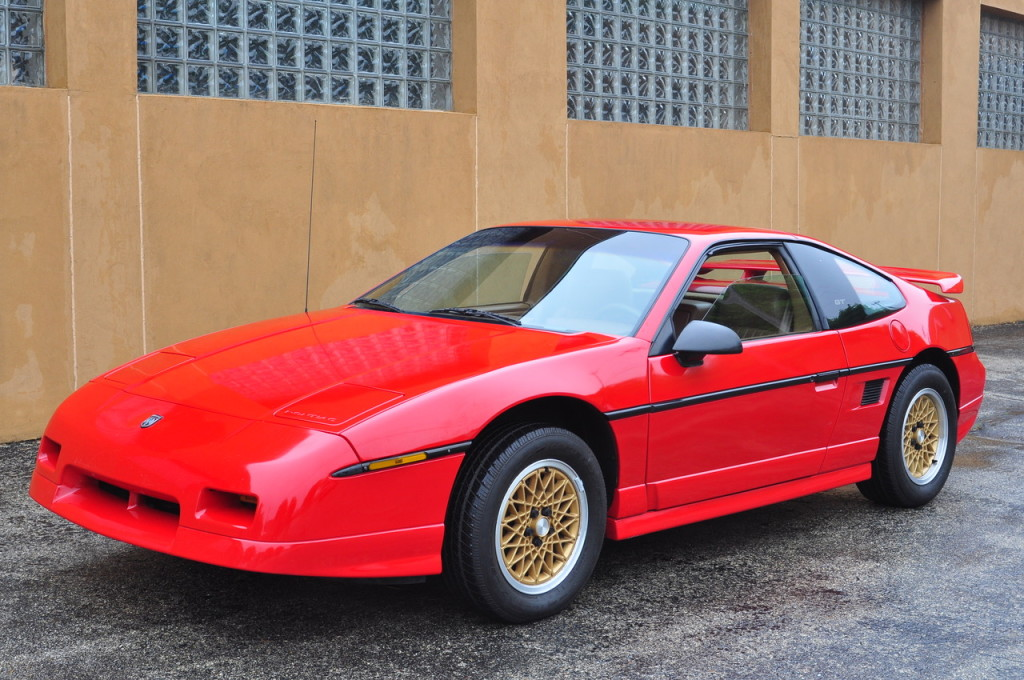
(414, 551)
(244, 494)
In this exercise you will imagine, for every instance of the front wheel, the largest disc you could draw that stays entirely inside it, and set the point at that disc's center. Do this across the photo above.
(526, 523)
(917, 443)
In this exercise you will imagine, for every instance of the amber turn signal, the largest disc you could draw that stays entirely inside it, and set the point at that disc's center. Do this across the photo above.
(400, 460)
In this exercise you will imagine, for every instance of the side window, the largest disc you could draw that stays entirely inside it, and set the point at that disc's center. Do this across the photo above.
(846, 292)
(750, 291)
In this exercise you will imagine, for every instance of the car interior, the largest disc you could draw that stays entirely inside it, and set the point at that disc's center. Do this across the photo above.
(751, 292)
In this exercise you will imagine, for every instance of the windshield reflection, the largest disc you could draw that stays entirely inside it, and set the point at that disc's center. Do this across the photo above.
(552, 278)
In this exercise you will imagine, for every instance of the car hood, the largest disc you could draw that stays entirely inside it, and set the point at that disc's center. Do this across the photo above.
(335, 371)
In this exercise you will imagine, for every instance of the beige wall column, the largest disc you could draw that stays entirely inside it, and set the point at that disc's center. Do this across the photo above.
(521, 107)
(950, 118)
(775, 66)
(998, 241)
(105, 233)
(55, 39)
(36, 362)
(775, 101)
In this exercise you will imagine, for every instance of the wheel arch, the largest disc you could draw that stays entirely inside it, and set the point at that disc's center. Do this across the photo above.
(572, 414)
(471, 539)
(892, 480)
(941, 360)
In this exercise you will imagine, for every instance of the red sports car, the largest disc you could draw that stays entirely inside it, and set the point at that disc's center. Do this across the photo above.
(497, 410)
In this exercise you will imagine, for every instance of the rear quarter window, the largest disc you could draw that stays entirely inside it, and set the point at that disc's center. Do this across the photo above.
(847, 293)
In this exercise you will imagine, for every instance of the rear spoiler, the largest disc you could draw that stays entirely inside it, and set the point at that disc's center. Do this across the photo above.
(948, 282)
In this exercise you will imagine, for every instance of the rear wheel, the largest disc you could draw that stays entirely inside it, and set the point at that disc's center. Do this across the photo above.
(917, 443)
(526, 524)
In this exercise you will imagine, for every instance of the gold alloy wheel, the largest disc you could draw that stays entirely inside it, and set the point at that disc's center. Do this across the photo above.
(924, 436)
(542, 526)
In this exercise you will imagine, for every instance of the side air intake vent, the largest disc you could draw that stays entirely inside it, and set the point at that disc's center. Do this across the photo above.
(872, 392)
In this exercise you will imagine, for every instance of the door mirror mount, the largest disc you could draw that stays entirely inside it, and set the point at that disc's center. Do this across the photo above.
(700, 338)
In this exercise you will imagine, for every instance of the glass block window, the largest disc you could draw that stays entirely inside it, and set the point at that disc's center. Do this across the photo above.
(1001, 83)
(366, 52)
(860, 69)
(666, 62)
(21, 43)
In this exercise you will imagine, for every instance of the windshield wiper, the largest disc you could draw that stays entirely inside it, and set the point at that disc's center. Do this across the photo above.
(374, 303)
(477, 314)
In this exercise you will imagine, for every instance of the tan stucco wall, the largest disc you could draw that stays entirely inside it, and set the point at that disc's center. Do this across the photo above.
(661, 172)
(36, 343)
(129, 222)
(999, 242)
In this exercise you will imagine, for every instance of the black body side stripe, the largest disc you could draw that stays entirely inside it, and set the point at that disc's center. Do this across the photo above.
(629, 412)
(732, 392)
(824, 376)
(431, 454)
(877, 367)
(660, 406)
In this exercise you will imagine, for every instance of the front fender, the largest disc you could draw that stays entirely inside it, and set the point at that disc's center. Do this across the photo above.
(609, 377)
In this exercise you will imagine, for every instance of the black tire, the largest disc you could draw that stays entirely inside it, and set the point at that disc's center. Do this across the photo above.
(526, 523)
(918, 441)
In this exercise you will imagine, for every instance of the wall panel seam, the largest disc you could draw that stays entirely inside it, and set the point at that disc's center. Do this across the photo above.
(142, 233)
(771, 182)
(798, 227)
(476, 172)
(309, 227)
(565, 168)
(942, 183)
(973, 299)
(71, 247)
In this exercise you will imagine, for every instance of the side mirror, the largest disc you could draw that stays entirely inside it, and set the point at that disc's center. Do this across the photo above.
(699, 338)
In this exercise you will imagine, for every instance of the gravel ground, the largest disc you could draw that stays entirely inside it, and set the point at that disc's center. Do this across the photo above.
(826, 586)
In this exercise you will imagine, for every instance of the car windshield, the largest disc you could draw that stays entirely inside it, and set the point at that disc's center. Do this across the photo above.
(552, 278)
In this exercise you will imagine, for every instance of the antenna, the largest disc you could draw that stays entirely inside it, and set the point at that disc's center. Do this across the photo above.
(309, 232)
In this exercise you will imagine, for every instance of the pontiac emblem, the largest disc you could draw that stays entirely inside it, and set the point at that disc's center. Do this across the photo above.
(151, 421)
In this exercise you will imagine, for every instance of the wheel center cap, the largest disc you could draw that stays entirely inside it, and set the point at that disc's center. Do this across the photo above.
(921, 437)
(542, 527)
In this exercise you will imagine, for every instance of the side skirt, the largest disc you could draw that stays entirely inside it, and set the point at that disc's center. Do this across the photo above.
(637, 525)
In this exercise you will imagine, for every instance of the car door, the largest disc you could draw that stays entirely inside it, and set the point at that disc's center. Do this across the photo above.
(743, 421)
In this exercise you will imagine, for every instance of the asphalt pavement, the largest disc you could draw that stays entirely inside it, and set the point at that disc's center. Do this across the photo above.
(827, 586)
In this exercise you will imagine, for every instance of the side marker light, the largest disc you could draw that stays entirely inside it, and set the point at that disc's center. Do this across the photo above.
(392, 462)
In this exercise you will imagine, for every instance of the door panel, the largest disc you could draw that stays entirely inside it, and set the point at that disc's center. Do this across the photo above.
(743, 421)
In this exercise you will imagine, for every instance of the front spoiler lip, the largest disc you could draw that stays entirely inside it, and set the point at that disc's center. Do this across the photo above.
(412, 551)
